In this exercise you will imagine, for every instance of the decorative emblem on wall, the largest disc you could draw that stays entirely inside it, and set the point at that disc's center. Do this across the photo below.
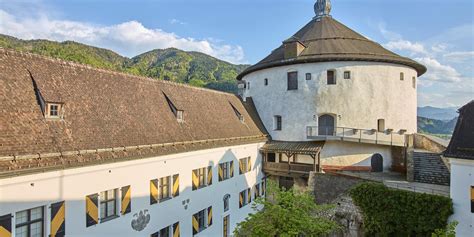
(140, 220)
(185, 203)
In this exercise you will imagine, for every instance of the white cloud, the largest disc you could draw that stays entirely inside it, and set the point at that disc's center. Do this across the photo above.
(405, 45)
(460, 57)
(439, 72)
(128, 38)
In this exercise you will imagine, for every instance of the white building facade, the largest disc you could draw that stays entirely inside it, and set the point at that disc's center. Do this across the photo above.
(144, 218)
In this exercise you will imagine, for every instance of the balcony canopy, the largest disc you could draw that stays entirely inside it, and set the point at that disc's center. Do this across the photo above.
(305, 148)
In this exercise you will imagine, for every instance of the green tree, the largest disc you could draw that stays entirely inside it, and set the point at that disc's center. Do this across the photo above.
(449, 231)
(286, 213)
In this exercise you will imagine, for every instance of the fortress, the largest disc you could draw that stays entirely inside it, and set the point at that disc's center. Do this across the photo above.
(90, 152)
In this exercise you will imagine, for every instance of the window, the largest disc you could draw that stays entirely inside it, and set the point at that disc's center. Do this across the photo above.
(381, 125)
(29, 223)
(108, 204)
(293, 81)
(224, 171)
(244, 165)
(248, 85)
(331, 77)
(244, 198)
(472, 199)
(53, 110)
(347, 75)
(201, 177)
(265, 82)
(413, 81)
(237, 113)
(402, 76)
(225, 226)
(271, 157)
(179, 114)
(202, 220)
(257, 190)
(165, 232)
(308, 76)
(226, 202)
(164, 192)
(277, 123)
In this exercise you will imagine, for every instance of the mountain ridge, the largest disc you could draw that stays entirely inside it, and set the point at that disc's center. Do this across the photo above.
(190, 67)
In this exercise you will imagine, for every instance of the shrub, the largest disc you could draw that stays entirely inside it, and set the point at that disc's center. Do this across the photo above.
(391, 212)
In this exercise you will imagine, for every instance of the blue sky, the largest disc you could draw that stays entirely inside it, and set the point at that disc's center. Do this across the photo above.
(437, 33)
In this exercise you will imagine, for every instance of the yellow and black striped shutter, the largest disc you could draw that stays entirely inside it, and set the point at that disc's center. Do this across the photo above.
(175, 185)
(249, 164)
(231, 171)
(472, 199)
(153, 191)
(209, 175)
(221, 173)
(92, 210)
(6, 225)
(241, 171)
(241, 199)
(249, 195)
(176, 229)
(126, 200)
(195, 180)
(58, 220)
(209, 216)
(195, 225)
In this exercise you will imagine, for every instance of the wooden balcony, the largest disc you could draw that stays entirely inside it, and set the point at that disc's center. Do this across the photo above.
(288, 168)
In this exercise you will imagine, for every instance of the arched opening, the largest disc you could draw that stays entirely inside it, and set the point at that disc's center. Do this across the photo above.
(376, 163)
(326, 125)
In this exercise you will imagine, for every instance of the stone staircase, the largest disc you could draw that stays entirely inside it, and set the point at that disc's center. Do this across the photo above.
(430, 168)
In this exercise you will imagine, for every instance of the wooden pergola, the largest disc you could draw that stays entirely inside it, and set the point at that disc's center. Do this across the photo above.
(291, 149)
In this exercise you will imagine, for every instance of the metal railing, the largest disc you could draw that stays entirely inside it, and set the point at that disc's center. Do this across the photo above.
(387, 137)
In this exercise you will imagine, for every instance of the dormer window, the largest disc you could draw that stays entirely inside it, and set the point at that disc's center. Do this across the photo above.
(402, 76)
(53, 110)
(179, 114)
(237, 113)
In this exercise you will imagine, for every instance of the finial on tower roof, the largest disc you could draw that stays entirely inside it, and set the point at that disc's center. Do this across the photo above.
(322, 8)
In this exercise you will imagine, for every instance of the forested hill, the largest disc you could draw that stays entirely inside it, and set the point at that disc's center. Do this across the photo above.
(171, 64)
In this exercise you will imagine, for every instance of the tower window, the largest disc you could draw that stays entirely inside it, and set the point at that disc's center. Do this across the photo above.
(308, 76)
(347, 75)
(265, 82)
(381, 125)
(331, 76)
(413, 79)
(402, 76)
(53, 110)
(293, 81)
(248, 85)
(277, 123)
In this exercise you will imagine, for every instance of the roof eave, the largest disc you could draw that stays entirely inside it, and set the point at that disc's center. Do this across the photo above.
(421, 69)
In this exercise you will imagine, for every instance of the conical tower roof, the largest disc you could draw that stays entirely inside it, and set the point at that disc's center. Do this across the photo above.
(325, 40)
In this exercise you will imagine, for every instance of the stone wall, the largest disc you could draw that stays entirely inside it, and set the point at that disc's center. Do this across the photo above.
(328, 187)
(334, 189)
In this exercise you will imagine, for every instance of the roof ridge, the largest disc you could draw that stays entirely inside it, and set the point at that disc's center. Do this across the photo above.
(15, 52)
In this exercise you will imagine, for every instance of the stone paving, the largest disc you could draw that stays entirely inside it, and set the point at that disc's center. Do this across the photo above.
(398, 181)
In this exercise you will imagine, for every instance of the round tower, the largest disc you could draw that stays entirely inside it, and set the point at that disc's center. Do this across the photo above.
(330, 83)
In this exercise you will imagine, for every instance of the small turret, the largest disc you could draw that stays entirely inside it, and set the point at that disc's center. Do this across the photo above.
(322, 8)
